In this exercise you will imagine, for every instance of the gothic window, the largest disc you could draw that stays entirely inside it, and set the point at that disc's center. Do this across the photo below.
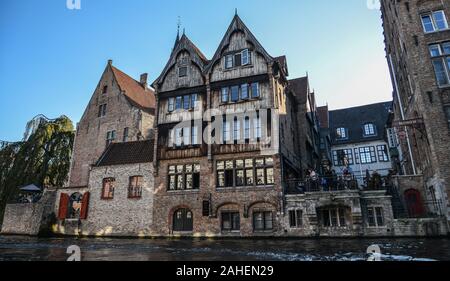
(108, 188)
(105, 89)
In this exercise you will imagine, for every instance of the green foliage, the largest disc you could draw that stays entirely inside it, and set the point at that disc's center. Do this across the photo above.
(43, 160)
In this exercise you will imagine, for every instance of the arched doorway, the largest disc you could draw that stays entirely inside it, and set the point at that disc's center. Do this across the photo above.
(414, 203)
(183, 220)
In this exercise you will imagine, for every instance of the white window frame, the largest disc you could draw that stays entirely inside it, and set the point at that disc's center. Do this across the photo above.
(229, 61)
(440, 57)
(432, 17)
(245, 61)
(341, 133)
(369, 130)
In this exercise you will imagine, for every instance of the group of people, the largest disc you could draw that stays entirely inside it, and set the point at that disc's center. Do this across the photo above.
(25, 198)
(330, 181)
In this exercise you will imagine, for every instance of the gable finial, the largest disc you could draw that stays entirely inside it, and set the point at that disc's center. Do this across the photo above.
(184, 31)
(235, 11)
(178, 26)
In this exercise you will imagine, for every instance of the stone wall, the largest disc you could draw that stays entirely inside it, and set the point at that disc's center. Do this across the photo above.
(29, 219)
(120, 216)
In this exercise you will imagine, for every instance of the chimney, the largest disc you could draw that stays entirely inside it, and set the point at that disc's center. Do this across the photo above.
(144, 77)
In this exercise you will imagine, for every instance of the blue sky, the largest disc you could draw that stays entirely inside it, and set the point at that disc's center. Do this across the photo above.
(51, 58)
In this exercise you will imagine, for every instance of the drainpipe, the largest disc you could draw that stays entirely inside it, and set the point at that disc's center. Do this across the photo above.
(394, 78)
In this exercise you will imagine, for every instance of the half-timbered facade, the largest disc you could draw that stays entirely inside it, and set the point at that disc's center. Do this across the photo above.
(219, 156)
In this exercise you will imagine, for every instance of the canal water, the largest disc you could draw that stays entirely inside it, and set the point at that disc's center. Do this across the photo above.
(18, 248)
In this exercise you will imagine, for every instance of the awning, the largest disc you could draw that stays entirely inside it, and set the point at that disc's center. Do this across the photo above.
(30, 188)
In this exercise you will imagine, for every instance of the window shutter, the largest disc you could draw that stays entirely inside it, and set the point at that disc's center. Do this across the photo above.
(84, 206)
(63, 204)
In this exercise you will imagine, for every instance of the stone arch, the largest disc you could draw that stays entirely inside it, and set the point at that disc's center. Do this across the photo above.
(172, 213)
(216, 210)
(248, 208)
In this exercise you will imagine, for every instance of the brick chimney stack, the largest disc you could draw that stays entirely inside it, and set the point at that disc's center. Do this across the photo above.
(144, 78)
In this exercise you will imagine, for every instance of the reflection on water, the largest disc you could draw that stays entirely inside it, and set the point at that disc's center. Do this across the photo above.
(54, 249)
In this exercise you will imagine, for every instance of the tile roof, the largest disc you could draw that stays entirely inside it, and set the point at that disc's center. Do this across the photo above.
(300, 87)
(354, 119)
(127, 153)
(139, 95)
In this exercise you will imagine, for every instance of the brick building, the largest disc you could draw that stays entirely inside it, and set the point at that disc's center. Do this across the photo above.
(225, 139)
(417, 38)
(120, 110)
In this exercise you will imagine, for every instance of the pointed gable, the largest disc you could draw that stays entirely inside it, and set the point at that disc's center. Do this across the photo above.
(237, 25)
(139, 95)
(183, 45)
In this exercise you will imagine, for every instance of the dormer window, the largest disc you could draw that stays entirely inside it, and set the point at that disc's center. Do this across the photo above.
(369, 130)
(341, 133)
(182, 71)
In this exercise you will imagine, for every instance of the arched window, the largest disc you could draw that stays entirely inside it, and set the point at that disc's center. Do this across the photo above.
(183, 220)
(105, 89)
(74, 208)
(369, 130)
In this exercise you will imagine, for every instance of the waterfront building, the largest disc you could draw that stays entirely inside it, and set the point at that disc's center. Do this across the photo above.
(220, 171)
(417, 38)
(120, 110)
(359, 140)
